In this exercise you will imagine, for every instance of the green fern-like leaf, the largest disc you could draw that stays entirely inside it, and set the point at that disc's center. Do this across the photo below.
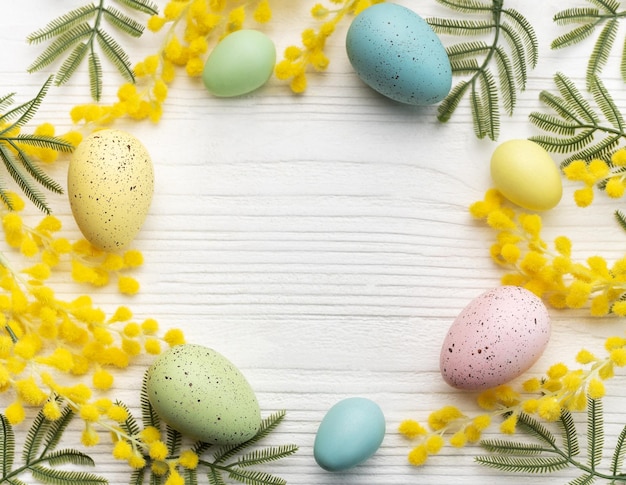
(7, 441)
(266, 455)
(620, 217)
(76, 34)
(581, 131)
(517, 464)
(39, 454)
(569, 434)
(174, 440)
(620, 449)
(13, 150)
(63, 477)
(513, 51)
(149, 416)
(512, 447)
(602, 15)
(595, 432)
(251, 477)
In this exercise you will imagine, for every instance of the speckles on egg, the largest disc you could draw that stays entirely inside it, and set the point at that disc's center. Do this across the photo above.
(496, 337)
(110, 186)
(395, 52)
(200, 393)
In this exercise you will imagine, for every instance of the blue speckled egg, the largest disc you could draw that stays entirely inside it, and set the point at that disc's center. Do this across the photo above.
(395, 52)
(350, 433)
(497, 337)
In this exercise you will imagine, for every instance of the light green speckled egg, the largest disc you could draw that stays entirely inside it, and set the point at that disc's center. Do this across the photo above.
(110, 182)
(200, 393)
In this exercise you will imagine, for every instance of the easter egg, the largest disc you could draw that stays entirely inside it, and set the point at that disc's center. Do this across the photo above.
(524, 173)
(351, 432)
(110, 182)
(242, 62)
(395, 52)
(497, 337)
(200, 393)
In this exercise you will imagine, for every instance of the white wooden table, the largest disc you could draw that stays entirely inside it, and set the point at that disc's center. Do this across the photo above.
(322, 242)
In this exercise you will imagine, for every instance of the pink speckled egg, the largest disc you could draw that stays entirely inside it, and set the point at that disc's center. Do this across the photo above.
(497, 337)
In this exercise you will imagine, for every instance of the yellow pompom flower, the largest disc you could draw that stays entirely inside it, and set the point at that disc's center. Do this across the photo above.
(29, 392)
(158, 450)
(51, 410)
(133, 258)
(585, 357)
(614, 342)
(188, 459)
(595, 389)
(150, 434)
(156, 23)
(127, 285)
(149, 326)
(89, 413)
(509, 425)
(548, 408)
(174, 478)
(263, 12)
(152, 346)
(117, 413)
(557, 371)
(411, 429)
(136, 460)
(89, 437)
(174, 337)
(615, 187)
(433, 444)
(619, 157)
(15, 413)
(458, 439)
(618, 357)
(102, 379)
(122, 450)
(418, 455)
(583, 197)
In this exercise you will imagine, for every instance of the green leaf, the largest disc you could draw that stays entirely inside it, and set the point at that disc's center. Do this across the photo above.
(149, 416)
(466, 6)
(116, 55)
(266, 455)
(78, 34)
(595, 432)
(475, 59)
(533, 427)
(57, 428)
(585, 479)
(553, 124)
(95, 76)
(137, 476)
(610, 5)
(63, 477)
(601, 50)
(34, 437)
(145, 6)
(7, 442)
(69, 456)
(569, 434)
(620, 448)
(574, 36)
(536, 464)
(576, 15)
(572, 95)
(130, 423)
(511, 447)
(190, 476)
(21, 179)
(123, 22)
(174, 440)
(63, 24)
(71, 63)
(606, 104)
(250, 477)
(507, 81)
(215, 477)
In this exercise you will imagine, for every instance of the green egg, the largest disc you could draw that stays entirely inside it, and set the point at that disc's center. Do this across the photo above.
(200, 393)
(242, 62)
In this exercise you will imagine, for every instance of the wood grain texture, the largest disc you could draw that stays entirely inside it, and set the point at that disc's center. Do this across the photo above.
(322, 242)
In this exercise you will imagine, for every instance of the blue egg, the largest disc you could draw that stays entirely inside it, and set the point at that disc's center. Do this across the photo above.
(395, 52)
(351, 432)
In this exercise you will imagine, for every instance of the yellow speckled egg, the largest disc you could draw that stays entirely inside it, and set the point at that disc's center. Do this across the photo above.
(526, 175)
(110, 185)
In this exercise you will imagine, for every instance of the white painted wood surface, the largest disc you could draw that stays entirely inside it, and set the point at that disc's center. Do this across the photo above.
(322, 242)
